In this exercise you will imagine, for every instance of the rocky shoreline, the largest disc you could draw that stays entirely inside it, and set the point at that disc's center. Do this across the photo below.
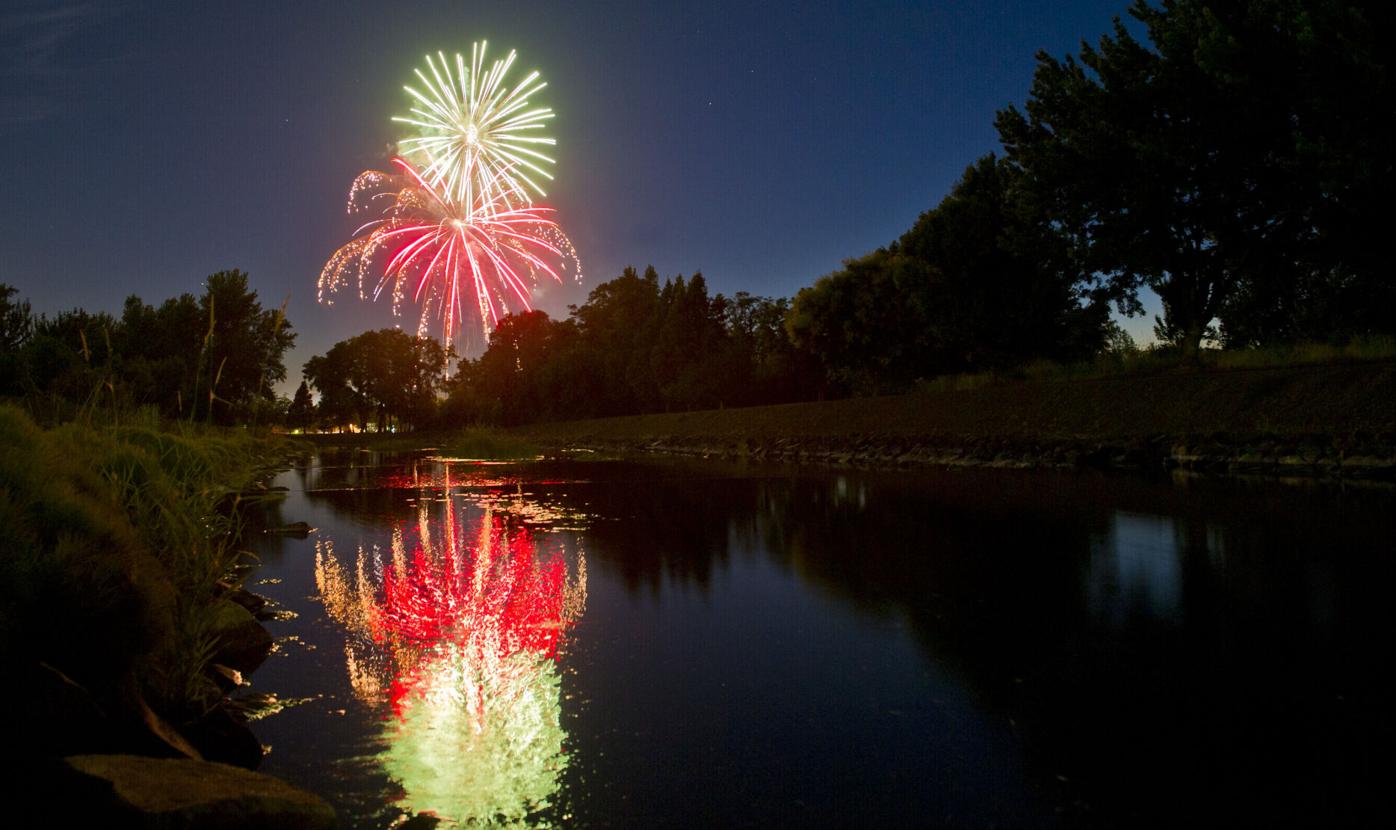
(1319, 457)
(124, 760)
(145, 772)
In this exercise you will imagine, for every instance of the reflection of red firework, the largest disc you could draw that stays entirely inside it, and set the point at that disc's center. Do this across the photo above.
(501, 588)
(489, 604)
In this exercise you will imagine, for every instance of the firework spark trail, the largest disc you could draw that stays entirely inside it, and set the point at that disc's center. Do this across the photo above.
(438, 246)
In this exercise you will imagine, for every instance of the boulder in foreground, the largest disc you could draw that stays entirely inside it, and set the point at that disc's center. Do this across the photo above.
(180, 793)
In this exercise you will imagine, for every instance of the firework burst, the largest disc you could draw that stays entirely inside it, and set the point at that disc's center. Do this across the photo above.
(479, 133)
(440, 251)
(456, 223)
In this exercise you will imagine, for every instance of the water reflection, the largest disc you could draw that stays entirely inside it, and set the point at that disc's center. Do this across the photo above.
(1135, 569)
(782, 648)
(457, 627)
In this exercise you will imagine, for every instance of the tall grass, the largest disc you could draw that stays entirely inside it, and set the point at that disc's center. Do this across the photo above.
(1303, 354)
(112, 542)
(1150, 360)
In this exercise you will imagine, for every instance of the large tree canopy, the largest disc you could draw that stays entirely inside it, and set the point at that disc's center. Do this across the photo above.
(1232, 165)
(384, 377)
(979, 283)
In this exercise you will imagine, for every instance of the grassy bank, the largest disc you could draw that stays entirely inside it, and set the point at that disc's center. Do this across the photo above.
(1300, 418)
(113, 542)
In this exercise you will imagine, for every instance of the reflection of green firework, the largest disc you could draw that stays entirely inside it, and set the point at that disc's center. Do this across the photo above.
(490, 758)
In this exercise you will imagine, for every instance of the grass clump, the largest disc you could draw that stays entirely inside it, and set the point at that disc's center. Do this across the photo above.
(482, 442)
(78, 589)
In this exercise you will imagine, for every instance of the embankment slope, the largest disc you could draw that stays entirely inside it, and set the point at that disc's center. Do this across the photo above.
(1306, 420)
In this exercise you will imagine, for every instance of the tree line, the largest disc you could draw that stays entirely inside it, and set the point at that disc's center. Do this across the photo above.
(636, 345)
(1237, 164)
(212, 357)
(1234, 161)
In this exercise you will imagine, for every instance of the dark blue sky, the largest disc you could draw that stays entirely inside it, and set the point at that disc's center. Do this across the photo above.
(149, 144)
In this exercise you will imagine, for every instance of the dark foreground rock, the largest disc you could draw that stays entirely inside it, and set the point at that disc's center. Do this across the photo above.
(252, 602)
(242, 643)
(299, 530)
(133, 791)
(224, 736)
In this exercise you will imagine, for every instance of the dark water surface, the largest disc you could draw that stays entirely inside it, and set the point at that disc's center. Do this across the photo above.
(626, 644)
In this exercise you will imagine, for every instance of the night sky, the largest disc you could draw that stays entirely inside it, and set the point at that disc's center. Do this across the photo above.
(147, 145)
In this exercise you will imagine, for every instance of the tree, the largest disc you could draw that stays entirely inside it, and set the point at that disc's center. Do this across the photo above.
(16, 327)
(512, 374)
(1001, 286)
(767, 367)
(980, 282)
(16, 320)
(242, 355)
(1324, 68)
(1205, 165)
(340, 378)
(159, 349)
(619, 322)
(70, 356)
(385, 376)
(866, 323)
(301, 413)
(691, 358)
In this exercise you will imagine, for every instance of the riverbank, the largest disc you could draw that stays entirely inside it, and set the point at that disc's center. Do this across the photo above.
(123, 624)
(1320, 420)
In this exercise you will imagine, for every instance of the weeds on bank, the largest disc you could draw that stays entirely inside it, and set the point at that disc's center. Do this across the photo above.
(480, 442)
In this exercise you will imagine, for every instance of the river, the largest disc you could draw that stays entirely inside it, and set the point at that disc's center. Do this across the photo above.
(660, 644)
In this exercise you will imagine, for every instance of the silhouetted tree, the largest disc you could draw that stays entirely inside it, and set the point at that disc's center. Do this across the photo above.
(301, 413)
(866, 323)
(384, 376)
(981, 282)
(1001, 286)
(243, 352)
(160, 350)
(619, 323)
(70, 356)
(1232, 165)
(16, 327)
(16, 320)
(766, 366)
(513, 372)
(691, 359)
